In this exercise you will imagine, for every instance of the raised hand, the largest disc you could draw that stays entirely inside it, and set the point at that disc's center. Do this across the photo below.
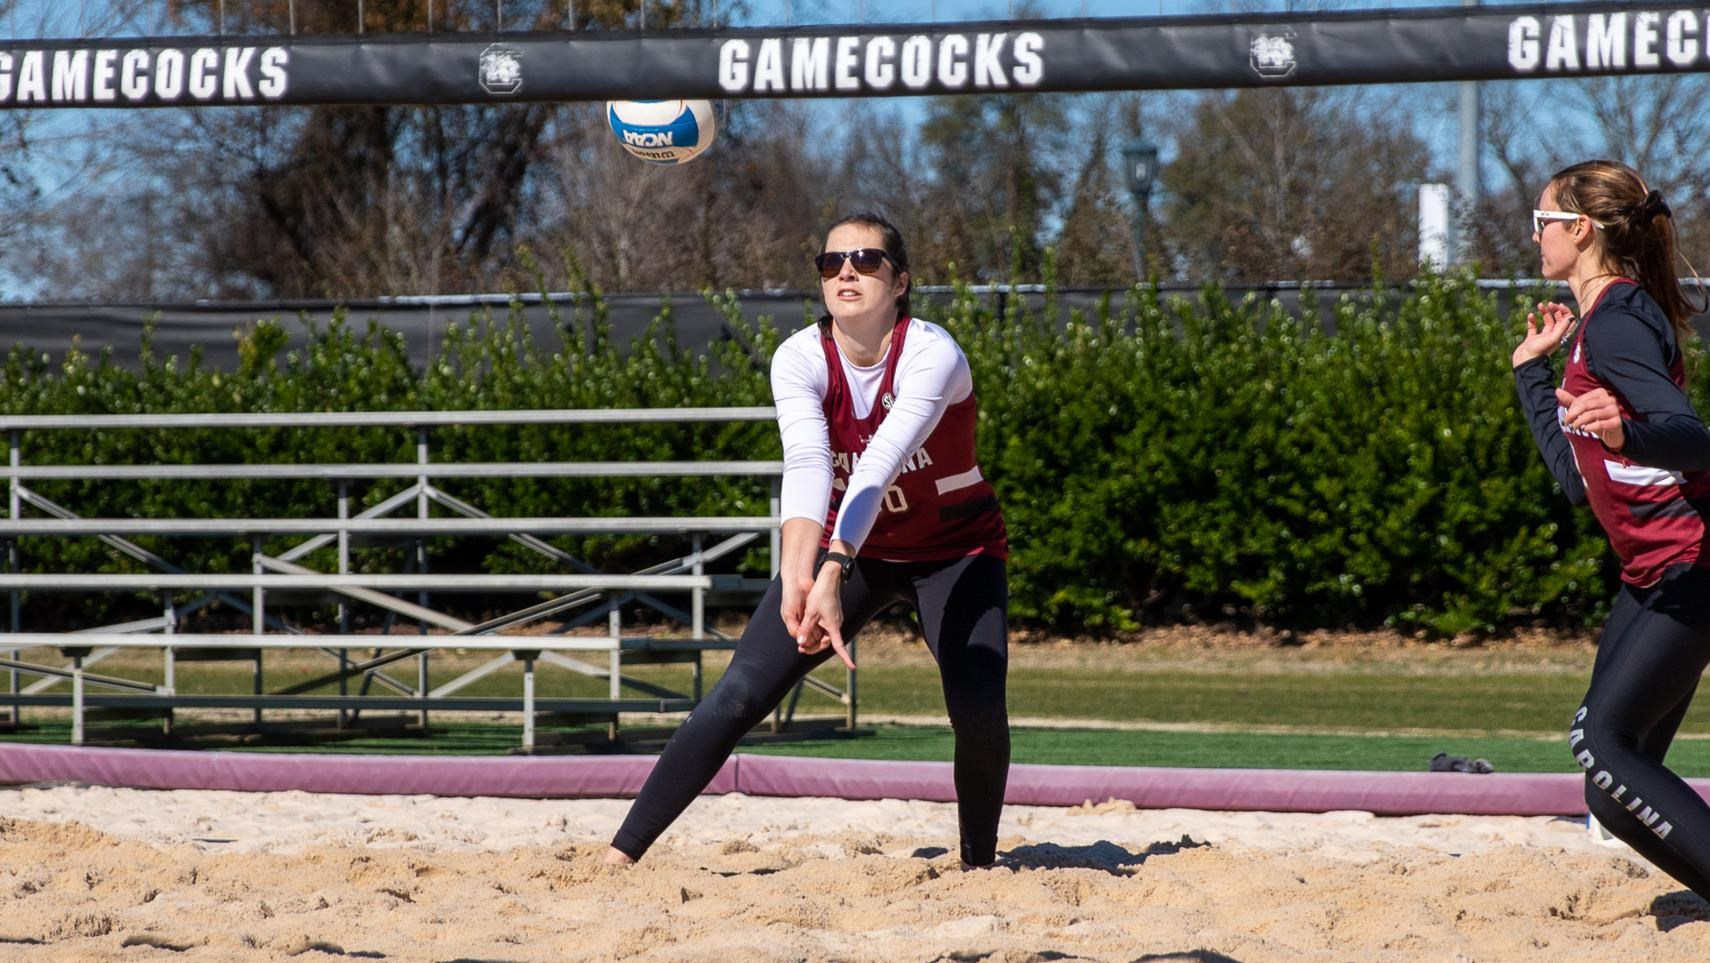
(1547, 329)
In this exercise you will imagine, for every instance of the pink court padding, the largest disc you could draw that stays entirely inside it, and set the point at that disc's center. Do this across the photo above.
(1266, 790)
(558, 777)
(528, 776)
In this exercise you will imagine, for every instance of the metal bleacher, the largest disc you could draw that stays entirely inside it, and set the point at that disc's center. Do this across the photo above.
(53, 668)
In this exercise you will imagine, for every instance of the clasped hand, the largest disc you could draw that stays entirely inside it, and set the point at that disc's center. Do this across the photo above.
(813, 613)
(1596, 412)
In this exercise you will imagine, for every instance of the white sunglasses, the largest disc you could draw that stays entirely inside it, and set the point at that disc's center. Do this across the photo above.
(1541, 219)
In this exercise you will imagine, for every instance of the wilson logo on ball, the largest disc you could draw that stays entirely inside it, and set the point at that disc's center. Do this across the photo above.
(663, 131)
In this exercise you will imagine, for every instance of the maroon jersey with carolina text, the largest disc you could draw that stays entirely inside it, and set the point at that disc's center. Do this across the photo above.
(1652, 515)
(939, 506)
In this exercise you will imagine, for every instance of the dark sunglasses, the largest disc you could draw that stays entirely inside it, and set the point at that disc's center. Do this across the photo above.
(867, 260)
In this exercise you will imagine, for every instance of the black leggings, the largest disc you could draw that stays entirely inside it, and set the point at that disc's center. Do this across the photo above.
(963, 606)
(1649, 659)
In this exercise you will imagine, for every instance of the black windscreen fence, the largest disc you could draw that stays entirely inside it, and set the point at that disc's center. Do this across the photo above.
(213, 327)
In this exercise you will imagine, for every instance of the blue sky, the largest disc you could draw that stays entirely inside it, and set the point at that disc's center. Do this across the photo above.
(71, 18)
(60, 139)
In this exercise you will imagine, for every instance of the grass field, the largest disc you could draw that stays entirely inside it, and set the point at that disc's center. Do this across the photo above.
(1352, 703)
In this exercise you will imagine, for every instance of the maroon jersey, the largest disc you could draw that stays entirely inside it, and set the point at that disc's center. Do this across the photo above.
(939, 506)
(1651, 515)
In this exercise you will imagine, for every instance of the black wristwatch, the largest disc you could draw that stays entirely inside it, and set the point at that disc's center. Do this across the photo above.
(845, 564)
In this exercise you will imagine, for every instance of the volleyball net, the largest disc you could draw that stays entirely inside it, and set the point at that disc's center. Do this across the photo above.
(1001, 56)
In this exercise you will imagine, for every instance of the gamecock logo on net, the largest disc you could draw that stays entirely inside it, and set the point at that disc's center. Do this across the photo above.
(501, 69)
(1272, 55)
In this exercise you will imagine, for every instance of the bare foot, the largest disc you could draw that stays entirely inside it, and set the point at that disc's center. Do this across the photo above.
(617, 857)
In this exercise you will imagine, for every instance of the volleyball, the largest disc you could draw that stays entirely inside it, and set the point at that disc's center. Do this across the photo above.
(663, 131)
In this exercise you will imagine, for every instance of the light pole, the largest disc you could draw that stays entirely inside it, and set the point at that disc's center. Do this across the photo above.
(1140, 157)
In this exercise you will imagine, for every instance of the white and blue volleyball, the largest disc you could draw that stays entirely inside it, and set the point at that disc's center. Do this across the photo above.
(663, 131)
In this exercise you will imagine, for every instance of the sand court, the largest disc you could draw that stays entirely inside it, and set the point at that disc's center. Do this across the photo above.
(96, 873)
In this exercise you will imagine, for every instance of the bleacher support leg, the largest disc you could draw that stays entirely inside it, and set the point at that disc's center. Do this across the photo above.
(77, 730)
(170, 668)
(258, 619)
(614, 626)
(344, 716)
(527, 657)
(423, 485)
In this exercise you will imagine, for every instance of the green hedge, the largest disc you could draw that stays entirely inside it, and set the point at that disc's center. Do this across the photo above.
(1157, 461)
(1218, 460)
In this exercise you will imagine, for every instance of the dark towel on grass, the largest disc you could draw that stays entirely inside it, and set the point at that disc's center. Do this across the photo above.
(1443, 762)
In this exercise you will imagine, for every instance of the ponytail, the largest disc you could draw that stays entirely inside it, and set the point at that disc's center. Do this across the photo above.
(1637, 228)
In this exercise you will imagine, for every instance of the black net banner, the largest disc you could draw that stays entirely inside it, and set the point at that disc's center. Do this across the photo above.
(1015, 56)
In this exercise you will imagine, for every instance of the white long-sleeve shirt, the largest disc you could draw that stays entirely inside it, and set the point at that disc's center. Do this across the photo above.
(932, 374)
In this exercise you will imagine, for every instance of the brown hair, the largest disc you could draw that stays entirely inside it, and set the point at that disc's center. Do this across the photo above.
(1637, 230)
